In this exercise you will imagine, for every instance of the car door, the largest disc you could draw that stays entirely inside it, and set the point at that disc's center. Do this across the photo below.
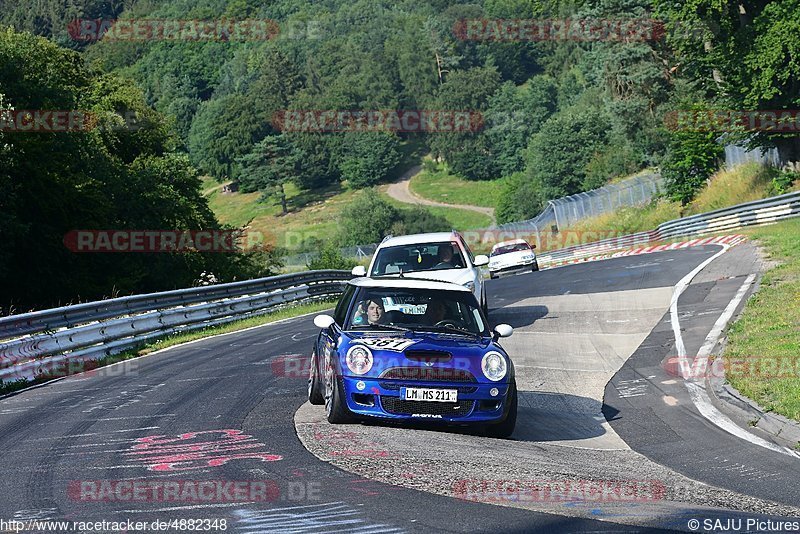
(326, 340)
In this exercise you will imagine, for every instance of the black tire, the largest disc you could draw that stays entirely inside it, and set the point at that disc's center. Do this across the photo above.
(535, 266)
(335, 407)
(506, 428)
(314, 385)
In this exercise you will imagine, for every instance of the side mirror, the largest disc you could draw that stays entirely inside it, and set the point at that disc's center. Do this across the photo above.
(359, 270)
(324, 321)
(533, 245)
(502, 330)
(481, 260)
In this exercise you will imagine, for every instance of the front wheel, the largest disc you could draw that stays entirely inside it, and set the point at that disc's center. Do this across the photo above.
(506, 428)
(335, 407)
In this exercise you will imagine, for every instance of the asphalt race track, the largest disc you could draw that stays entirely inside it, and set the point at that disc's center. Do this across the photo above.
(595, 405)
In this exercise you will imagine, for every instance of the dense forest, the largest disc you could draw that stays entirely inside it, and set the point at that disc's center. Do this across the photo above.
(559, 116)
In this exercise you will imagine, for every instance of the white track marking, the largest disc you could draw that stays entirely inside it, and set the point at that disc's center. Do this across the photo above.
(697, 392)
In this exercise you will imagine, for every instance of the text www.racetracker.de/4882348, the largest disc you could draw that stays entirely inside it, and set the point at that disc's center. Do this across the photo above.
(36, 525)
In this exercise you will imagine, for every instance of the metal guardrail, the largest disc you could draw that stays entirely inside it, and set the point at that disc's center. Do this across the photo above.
(37, 341)
(41, 340)
(754, 213)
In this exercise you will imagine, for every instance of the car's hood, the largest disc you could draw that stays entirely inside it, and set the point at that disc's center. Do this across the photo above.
(454, 276)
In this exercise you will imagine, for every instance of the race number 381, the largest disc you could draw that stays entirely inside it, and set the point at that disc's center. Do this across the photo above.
(394, 344)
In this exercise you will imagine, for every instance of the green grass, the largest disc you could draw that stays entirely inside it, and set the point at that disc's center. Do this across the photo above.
(769, 327)
(313, 215)
(285, 312)
(441, 186)
(459, 219)
(726, 188)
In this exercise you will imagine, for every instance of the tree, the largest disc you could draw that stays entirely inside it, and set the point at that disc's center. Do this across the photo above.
(273, 163)
(691, 159)
(559, 154)
(744, 54)
(368, 158)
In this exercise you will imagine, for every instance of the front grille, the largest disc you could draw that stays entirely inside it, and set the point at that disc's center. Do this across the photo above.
(428, 374)
(398, 406)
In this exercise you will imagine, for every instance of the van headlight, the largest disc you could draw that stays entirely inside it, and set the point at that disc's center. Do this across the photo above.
(494, 366)
(359, 359)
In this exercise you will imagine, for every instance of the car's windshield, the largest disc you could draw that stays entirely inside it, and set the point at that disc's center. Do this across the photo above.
(516, 247)
(418, 257)
(416, 309)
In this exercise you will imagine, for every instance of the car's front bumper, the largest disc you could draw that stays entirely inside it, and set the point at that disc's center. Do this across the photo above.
(528, 264)
(374, 397)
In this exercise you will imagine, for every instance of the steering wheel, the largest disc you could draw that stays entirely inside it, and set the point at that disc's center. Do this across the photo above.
(448, 323)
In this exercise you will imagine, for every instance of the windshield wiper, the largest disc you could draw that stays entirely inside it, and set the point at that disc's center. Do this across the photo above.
(450, 330)
(379, 327)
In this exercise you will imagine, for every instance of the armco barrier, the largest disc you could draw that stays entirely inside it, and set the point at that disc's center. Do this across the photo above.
(768, 210)
(92, 330)
(39, 340)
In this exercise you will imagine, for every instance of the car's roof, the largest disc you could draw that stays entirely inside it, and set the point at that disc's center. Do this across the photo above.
(395, 282)
(418, 238)
(506, 243)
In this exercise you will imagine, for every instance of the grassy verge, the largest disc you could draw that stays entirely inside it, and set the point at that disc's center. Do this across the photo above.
(744, 183)
(285, 312)
(769, 328)
(459, 219)
(441, 186)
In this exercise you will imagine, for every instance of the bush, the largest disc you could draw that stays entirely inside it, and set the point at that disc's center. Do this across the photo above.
(521, 198)
(331, 258)
(692, 157)
(367, 219)
(419, 221)
(782, 182)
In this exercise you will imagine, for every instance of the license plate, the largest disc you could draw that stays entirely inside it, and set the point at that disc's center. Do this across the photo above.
(425, 394)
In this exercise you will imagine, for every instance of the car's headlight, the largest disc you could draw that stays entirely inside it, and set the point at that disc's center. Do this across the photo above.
(469, 285)
(494, 366)
(359, 359)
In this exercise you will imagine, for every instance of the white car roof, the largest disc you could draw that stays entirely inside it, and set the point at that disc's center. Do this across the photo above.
(506, 243)
(413, 239)
(406, 283)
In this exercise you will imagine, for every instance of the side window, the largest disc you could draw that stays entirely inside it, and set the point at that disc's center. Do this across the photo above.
(340, 313)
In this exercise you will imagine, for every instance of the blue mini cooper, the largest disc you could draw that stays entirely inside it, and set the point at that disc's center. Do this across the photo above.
(408, 349)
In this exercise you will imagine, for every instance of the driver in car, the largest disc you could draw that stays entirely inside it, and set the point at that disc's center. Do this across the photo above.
(434, 313)
(445, 257)
(371, 311)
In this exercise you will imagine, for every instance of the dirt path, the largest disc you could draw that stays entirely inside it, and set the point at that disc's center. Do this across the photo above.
(401, 191)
